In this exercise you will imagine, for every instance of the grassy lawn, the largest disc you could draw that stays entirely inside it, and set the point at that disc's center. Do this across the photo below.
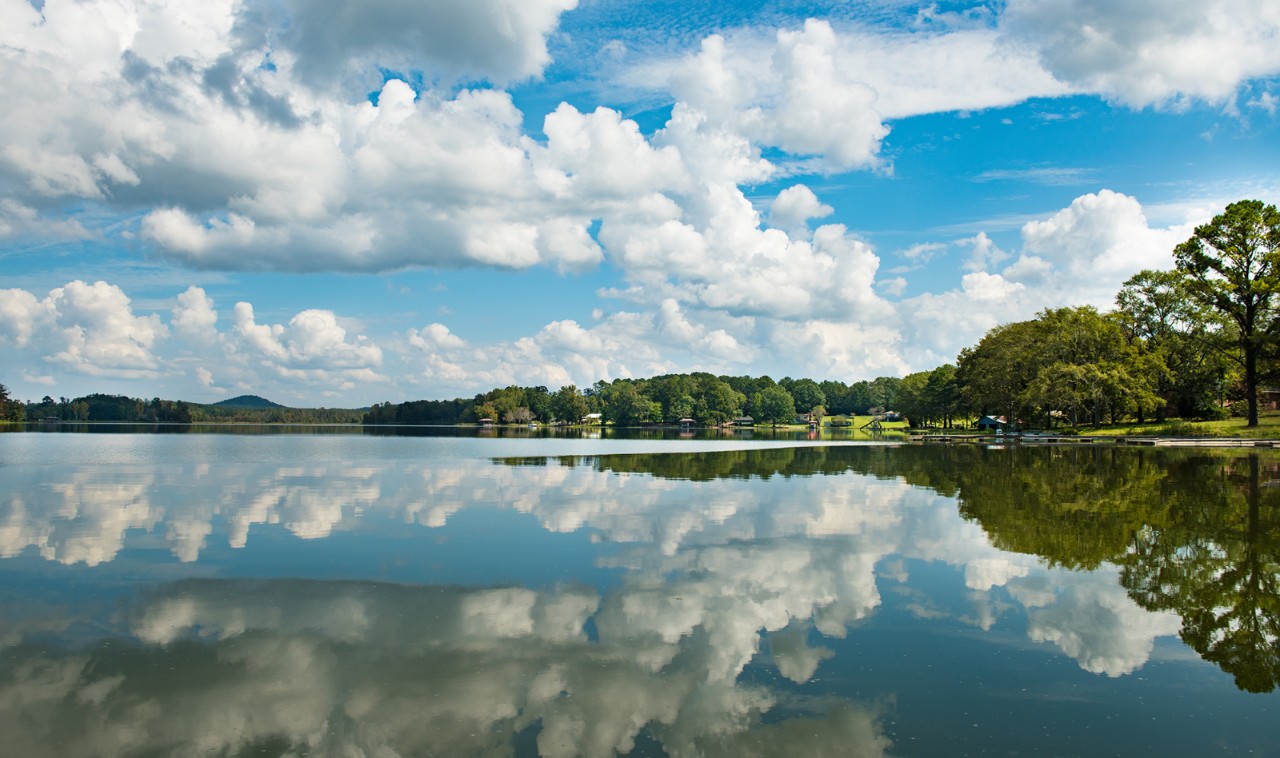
(888, 426)
(1268, 428)
(861, 421)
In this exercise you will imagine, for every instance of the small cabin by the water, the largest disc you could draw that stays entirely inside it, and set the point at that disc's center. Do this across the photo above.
(991, 423)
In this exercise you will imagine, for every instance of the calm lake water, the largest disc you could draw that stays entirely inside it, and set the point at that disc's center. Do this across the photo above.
(361, 595)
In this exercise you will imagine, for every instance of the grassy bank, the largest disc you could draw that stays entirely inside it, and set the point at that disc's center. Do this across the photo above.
(1268, 428)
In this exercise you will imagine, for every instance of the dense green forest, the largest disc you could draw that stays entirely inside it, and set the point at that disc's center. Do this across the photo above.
(705, 398)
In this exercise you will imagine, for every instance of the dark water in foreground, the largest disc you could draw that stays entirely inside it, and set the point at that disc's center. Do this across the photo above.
(342, 595)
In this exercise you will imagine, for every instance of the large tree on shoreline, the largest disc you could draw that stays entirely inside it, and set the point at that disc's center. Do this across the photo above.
(1232, 265)
(1182, 338)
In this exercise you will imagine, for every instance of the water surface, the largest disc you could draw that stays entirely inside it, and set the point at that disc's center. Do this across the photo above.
(204, 594)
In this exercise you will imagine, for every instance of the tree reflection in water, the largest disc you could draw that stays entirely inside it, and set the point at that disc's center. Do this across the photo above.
(1195, 532)
(1215, 562)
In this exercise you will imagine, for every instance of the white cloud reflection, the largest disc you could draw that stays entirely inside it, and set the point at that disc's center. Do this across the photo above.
(354, 668)
(721, 560)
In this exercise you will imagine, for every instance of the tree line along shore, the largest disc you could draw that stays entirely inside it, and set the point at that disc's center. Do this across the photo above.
(1198, 342)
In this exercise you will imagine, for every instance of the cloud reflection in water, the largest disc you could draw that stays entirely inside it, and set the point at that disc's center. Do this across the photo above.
(714, 575)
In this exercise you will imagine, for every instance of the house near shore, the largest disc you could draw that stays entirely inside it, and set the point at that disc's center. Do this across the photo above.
(744, 421)
(991, 423)
(593, 418)
(1269, 398)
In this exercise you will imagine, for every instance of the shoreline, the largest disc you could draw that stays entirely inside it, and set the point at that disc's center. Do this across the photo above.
(1071, 439)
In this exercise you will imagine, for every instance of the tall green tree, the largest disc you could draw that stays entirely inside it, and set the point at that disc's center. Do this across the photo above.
(943, 393)
(927, 397)
(774, 405)
(1232, 265)
(1089, 368)
(860, 398)
(567, 404)
(995, 372)
(505, 401)
(717, 401)
(539, 400)
(674, 392)
(485, 410)
(807, 394)
(884, 391)
(1070, 360)
(838, 397)
(913, 398)
(624, 405)
(8, 408)
(1184, 340)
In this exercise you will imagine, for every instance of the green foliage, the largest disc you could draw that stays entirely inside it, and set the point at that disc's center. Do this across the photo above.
(717, 401)
(1188, 343)
(748, 386)
(1072, 362)
(806, 393)
(271, 415)
(538, 401)
(681, 408)
(114, 408)
(763, 463)
(705, 398)
(1215, 561)
(857, 400)
(568, 405)
(10, 409)
(883, 392)
(994, 373)
(930, 397)
(625, 405)
(485, 411)
(421, 412)
(773, 405)
(1232, 265)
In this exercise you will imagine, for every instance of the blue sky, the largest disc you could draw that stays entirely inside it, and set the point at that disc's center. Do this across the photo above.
(338, 203)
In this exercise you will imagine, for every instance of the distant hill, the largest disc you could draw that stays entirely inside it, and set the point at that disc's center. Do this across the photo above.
(246, 401)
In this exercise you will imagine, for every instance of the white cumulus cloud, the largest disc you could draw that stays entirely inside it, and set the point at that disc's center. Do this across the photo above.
(1150, 52)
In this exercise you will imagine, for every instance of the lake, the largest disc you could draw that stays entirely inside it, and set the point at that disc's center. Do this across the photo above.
(378, 595)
